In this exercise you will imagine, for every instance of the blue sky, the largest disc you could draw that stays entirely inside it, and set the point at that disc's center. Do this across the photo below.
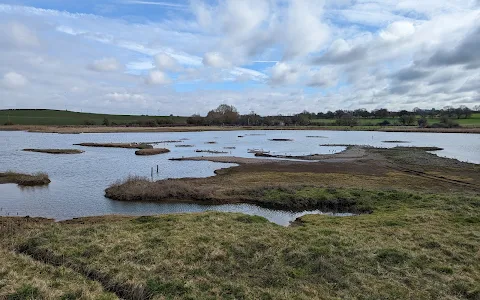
(270, 56)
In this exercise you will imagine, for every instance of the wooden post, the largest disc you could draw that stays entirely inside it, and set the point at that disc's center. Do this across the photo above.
(157, 169)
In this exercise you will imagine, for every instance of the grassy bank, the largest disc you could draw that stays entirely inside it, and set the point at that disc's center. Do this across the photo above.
(413, 246)
(55, 151)
(24, 179)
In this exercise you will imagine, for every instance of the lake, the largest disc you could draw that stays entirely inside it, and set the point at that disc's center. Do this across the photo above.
(79, 181)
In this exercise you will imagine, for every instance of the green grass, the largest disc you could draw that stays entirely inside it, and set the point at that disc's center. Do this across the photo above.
(57, 117)
(474, 120)
(413, 246)
(22, 278)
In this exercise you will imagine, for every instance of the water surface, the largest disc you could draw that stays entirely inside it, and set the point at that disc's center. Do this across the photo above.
(79, 181)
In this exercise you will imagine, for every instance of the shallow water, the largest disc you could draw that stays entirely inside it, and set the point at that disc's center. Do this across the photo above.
(79, 181)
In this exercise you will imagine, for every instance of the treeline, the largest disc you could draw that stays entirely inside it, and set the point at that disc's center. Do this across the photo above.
(228, 115)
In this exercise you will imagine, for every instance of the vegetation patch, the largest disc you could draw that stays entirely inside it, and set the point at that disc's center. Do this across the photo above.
(396, 142)
(37, 179)
(153, 151)
(141, 189)
(211, 151)
(184, 146)
(117, 145)
(281, 140)
(55, 151)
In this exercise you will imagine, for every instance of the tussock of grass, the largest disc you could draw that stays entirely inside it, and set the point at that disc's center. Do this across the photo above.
(153, 151)
(55, 151)
(117, 145)
(24, 179)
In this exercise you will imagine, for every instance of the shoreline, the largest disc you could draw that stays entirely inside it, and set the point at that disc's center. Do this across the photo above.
(103, 129)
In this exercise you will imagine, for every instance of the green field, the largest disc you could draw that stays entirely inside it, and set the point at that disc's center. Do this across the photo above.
(473, 121)
(58, 117)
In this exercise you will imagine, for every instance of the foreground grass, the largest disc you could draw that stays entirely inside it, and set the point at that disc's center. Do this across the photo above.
(21, 277)
(24, 179)
(413, 246)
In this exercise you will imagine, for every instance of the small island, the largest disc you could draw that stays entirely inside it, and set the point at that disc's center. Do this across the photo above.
(36, 179)
(55, 151)
(153, 151)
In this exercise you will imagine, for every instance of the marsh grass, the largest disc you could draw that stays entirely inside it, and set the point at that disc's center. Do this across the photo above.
(211, 151)
(55, 151)
(23, 278)
(36, 179)
(413, 246)
(141, 189)
(153, 151)
(117, 145)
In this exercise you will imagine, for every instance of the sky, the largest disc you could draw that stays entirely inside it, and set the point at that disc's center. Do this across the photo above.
(187, 57)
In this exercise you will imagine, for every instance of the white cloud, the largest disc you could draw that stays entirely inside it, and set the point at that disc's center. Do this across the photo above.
(12, 80)
(398, 30)
(125, 96)
(284, 74)
(165, 62)
(18, 35)
(158, 78)
(215, 60)
(303, 31)
(108, 64)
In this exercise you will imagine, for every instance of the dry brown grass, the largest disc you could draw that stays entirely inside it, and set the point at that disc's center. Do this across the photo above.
(117, 145)
(141, 189)
(24, 179)
(153, 151)
(55, 151)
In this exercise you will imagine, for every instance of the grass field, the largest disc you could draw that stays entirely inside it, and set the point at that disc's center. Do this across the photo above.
(413, 246)
(57, 117)
(473, 121)
(61, 118)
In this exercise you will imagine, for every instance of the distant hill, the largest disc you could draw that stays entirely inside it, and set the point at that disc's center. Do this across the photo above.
(62, 117)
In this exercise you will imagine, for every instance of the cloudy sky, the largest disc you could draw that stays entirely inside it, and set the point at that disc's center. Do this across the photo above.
(270, 56)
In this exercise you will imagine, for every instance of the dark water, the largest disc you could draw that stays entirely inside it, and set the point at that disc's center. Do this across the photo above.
(79, 181)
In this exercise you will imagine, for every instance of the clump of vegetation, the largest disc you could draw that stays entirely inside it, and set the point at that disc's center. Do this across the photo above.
(89, 123)
(117, 145)
(55, 151)
(211, 151)
(211, 143)
(153, 151)
(36, 179)
(184, 146)
(281, 140)
(141, 189)
(396, 142)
